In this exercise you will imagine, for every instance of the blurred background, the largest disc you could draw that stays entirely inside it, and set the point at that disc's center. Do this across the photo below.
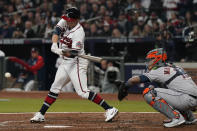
(121, 31)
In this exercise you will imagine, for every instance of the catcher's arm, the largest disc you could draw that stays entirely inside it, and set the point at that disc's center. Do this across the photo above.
(124, 86)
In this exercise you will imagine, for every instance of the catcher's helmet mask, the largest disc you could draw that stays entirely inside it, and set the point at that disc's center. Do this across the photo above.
(156, 58)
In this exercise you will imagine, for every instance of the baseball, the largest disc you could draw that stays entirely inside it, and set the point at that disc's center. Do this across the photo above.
(7, 74)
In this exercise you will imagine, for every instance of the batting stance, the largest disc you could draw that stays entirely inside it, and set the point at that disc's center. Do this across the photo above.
(73, 68)
(176, 96)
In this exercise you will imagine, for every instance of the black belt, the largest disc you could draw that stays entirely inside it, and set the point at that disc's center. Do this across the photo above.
(195, 97)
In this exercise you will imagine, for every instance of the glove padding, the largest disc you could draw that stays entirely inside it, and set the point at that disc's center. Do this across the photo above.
(122, 89)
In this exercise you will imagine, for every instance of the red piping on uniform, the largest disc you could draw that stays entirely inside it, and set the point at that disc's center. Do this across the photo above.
(72, 31)
(75, 30)
(78, 75)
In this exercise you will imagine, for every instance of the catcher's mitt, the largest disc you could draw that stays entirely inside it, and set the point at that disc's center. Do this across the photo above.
(122, 89)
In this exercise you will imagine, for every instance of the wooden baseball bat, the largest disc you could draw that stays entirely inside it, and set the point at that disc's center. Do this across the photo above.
(91, 58)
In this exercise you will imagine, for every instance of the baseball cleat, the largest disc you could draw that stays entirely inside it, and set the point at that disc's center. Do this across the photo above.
(110, 114)
(175, 122)
(38, 117)
(190, 122)
(167, 121)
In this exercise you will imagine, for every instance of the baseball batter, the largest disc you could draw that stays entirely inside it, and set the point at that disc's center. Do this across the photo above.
(73, 68)
(177, 94)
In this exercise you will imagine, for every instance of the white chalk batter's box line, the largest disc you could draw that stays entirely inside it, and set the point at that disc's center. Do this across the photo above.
(77, 113)
(80, 112)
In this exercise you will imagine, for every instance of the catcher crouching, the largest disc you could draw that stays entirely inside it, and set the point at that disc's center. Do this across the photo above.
(177, 96)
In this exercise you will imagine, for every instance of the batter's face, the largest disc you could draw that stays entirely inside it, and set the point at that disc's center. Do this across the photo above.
(72, 24)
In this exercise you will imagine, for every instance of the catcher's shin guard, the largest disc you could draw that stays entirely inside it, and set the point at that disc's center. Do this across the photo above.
(159, 104)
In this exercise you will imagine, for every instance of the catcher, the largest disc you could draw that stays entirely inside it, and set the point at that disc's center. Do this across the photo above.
(176, 95)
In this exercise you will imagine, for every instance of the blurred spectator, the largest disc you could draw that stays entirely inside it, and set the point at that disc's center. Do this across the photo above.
(147, 31)
(121, 22)
(146, 4)
(46, 6)
(188, 19)
(7, 30)
(154, 18)
(40, 28)
(159, 43)
(171, 6)
(116, 33)
(135, 31)
(30, 17)
(19, 4)
(102, 11)
(110, 7)
(86, 26)
(106, 30)
(119, 15)
(28, 32)
(93, 30)
(48, 31)
(169, 46)
(84, 12)
(141, 23)
(18, 33)
(57, 7)
(95, 11)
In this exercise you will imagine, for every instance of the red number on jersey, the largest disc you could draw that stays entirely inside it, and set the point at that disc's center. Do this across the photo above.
(166, 70)
(67, 41)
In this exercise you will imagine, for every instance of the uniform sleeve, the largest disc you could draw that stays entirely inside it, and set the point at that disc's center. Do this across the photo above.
(144, 79)
(61, 24)
(153, 75)
(78, 40)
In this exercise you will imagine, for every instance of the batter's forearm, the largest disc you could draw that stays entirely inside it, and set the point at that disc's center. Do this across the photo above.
(54, 47)
(55, 38)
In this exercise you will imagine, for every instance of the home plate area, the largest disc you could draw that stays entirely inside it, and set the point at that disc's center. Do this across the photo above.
(87, 122)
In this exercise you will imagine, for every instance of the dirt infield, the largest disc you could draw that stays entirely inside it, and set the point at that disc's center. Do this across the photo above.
(88, 122)
(83, 121)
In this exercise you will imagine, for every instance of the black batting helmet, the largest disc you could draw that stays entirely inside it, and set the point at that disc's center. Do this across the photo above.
(71, 14)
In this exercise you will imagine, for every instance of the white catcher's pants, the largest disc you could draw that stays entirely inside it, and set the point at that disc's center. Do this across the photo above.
(75, 71)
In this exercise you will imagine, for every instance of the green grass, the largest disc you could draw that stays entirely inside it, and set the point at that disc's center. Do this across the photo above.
(68, 105)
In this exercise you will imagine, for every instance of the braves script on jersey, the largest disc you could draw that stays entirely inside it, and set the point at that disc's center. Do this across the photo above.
(71, 39)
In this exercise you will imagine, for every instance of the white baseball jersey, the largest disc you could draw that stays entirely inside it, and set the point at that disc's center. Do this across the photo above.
(182, 83)
(71, 39)
(72, 70)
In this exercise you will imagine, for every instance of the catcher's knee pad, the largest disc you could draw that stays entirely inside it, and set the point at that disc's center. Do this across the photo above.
(149, 95)
(84, 94)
